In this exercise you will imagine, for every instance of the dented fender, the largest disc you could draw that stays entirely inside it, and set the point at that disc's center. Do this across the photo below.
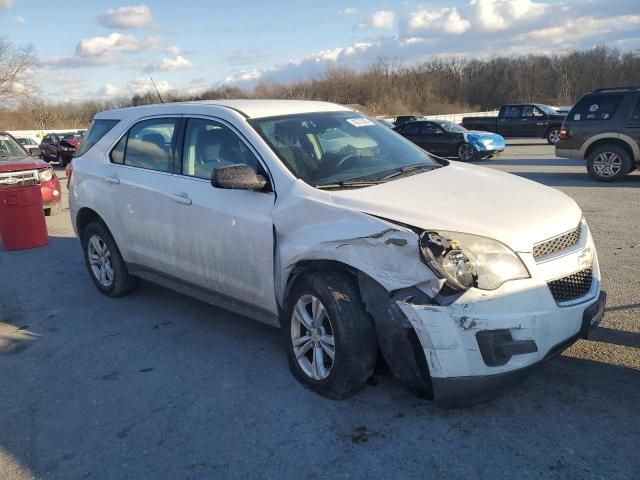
(386, 252)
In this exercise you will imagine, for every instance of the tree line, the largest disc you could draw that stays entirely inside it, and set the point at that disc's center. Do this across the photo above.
(387, 87)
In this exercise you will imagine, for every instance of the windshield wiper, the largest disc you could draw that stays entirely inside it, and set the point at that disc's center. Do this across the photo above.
(410, 168)
(349, 184)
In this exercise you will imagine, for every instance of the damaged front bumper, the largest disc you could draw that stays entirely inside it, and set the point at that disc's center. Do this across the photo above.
(481, 344)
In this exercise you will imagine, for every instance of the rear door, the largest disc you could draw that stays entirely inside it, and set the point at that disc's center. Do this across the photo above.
(223, 238)
(411, 131)
(510, 120)
(140, 174)
(632, 125)
(433, 138)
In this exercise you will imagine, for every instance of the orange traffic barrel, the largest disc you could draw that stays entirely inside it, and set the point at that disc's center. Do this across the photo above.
(22, 223)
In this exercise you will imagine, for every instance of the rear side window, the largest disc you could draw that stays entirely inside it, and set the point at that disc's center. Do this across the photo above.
(97, 130)
(636, 111)
(512, 111)
(410, 129)
(595, 107)
(147, 145)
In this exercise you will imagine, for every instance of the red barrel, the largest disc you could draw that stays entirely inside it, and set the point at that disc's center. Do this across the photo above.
(22, 223)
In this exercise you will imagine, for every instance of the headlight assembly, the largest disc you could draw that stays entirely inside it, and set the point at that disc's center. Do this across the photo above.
(466, 261)
(45, 175)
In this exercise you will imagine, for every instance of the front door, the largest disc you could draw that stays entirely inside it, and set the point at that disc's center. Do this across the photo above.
(223, 238)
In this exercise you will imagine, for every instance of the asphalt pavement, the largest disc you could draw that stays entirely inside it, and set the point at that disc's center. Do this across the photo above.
(157, 385)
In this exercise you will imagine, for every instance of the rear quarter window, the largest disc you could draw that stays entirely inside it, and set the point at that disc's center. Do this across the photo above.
(97, 130)
(595, 107)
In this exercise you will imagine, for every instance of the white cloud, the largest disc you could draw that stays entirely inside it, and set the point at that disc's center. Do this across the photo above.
(109, 91)
(177, 63)
(347, 12)
(172, 50)
(134, 16)
(19, 20)
(115, 43)
(5, 3)
(384, 19)
(582, 28)
(142, 85)
(494, 15)
(444, 19)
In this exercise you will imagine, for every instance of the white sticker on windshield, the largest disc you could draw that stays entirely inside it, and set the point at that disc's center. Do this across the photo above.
(360, 122)
(576, 116)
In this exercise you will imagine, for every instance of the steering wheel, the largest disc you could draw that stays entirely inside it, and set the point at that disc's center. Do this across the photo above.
(350, 157)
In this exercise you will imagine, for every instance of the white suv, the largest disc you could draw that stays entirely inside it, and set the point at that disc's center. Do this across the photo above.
(315, 218)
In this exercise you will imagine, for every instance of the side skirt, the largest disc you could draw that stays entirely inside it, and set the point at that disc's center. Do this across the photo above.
(213, 298)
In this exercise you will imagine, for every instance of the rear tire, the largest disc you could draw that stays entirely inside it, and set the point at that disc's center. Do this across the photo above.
(335, 323)
(104, 262)
(553, 135)
(608, 163)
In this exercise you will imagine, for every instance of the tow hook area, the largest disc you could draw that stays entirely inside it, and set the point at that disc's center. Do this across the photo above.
(497, 346)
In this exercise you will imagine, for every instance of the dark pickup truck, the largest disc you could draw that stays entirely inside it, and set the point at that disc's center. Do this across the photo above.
(521, 120)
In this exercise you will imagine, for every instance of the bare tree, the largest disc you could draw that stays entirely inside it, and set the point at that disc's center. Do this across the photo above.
(15, 65)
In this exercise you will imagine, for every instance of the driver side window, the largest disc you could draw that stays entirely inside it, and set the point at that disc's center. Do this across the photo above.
(209, 144)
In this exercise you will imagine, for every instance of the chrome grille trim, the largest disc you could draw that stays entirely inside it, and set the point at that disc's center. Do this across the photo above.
(558, 244)
(19, 179)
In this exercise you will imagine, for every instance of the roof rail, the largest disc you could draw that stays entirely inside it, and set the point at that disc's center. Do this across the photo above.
(607, 89)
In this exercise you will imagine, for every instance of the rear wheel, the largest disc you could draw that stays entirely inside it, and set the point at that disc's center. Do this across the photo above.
(104, 262)
(330, 339)
(467, 152)
(608, 163)
(553, 135)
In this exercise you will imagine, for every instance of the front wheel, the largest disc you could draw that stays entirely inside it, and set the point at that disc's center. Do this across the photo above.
(467, 152)
(104, 262)
(608, 163)
(329, 337)
(553, 135)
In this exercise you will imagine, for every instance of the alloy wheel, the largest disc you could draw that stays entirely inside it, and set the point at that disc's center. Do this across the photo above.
(466, 152)
(554, 136)
(607, 164)
(100, 261)
(312, 337)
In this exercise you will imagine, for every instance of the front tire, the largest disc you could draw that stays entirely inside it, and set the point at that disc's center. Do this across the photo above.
(467, 152)
(608, 163)
(329, 337)
(553, 135)
(104, 262)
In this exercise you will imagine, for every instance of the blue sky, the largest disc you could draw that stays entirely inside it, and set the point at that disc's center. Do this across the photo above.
(107, 49)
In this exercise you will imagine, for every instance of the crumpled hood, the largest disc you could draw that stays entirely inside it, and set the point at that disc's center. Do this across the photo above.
(470, 199)
(19, 163)
(474, 137)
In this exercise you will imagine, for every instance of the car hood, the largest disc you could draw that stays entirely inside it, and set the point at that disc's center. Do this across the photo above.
(18, 163)
(470, 199)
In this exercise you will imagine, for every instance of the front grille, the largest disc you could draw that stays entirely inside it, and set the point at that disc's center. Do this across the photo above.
(558, 244)
(19, 179)
(571, 287)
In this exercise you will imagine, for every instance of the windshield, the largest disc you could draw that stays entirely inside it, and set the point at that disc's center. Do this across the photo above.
(547, 109)
(451, 127)
(10, 148)
(336, 147)
(26, 141)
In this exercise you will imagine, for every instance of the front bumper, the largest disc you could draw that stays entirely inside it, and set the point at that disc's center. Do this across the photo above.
(51, 192)
(455, 392)
(527, 323)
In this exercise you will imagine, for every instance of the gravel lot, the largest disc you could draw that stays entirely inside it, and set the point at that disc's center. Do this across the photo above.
(157, 385)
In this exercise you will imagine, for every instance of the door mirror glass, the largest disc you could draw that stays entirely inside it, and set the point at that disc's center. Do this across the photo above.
(238, 176)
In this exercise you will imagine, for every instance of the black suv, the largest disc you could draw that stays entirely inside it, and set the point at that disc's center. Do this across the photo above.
(603, 128)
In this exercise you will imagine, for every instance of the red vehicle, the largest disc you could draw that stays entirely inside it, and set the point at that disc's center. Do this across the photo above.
(59, 147)
(18, 168)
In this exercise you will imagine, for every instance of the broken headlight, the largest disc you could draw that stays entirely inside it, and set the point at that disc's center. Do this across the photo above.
(466, 261)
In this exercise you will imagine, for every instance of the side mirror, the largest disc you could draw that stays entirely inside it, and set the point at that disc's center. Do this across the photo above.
(239, 176)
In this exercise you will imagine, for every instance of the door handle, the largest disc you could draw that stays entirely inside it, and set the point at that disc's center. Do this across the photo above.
(181, 197)
(112, 180)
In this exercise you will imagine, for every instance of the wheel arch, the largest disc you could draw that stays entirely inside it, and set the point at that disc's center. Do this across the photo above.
(602, 141)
